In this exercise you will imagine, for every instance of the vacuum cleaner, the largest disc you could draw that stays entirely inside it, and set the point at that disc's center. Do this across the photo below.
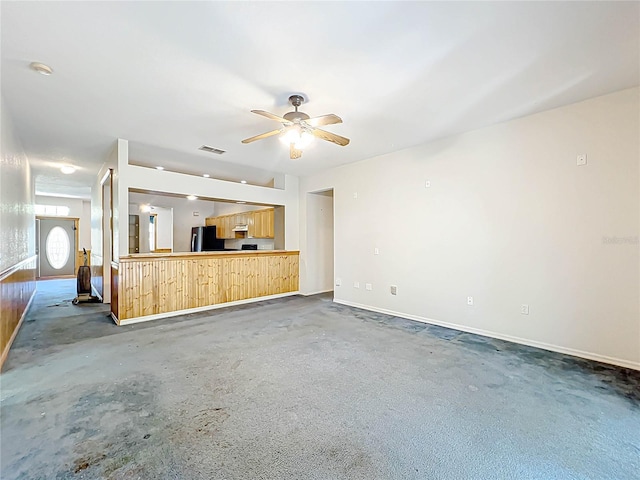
(84, 283)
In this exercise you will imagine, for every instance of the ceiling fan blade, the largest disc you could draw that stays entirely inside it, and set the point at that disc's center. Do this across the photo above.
(261, 136)
(271, 116)
(294, 152)
(330, 137)
(329, 119)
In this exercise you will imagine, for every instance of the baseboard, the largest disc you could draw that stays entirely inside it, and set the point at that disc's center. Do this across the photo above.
(486, 333)
(7, 347)
(317, 293)
(158, 316)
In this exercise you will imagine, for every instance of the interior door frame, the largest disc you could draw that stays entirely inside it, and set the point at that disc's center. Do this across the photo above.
(76, 229)
(155, 232)
(107, 256)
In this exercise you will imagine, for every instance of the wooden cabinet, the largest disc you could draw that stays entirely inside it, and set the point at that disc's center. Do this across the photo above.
(260, 223)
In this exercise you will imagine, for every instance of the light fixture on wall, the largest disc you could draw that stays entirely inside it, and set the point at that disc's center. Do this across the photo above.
(41, 68)
(145, 208)
(67, 169)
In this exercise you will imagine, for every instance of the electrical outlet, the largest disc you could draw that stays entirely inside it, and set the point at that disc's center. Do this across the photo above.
(469, 300)
(394, 289)
(524, 309)
(376, 251)
(356, 284)
(581, 159)
(338, 282)
(368, 286)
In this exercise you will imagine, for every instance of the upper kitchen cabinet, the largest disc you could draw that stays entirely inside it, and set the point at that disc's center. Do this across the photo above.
(259, 224)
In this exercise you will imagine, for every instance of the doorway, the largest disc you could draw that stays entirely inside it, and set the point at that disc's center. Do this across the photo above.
(57, 241)
(320, 242)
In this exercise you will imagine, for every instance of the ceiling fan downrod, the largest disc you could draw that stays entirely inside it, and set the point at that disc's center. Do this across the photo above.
(296, 101)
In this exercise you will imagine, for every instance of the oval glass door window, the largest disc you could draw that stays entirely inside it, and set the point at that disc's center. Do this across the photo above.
(57, 247)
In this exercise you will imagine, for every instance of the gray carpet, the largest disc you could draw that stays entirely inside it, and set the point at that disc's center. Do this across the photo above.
(301, 388)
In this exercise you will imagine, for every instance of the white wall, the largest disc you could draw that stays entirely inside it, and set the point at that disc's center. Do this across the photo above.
(184, 219)
(231, 208)
(17, 218)
(78, 208)
(509, 219)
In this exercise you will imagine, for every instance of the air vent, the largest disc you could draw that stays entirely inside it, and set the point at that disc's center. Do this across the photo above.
(207, 148)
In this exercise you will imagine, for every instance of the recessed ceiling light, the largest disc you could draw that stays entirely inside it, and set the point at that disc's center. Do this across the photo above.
(191, 197)
(206, 175)
(41, 68)
(243, 181)
(159, 168)
(241, 202)
(67, 169)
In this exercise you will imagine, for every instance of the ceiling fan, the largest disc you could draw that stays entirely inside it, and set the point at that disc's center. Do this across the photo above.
(298, 128)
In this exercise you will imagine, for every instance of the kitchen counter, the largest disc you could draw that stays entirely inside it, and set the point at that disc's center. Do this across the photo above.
(146, 286)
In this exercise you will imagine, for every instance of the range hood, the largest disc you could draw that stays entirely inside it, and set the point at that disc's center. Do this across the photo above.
(241, 228)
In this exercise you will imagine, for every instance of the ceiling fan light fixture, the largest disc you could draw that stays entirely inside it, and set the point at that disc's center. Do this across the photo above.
(300, 139)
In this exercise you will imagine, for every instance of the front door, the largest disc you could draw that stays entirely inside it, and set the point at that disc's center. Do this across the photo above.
(57, 247)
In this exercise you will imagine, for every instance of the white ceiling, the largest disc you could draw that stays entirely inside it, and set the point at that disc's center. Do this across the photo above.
(172, 76)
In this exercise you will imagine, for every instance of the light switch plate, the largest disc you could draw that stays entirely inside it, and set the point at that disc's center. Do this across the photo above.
(427, 184)
(368, 286)
(524, 309)
(338, 282)
(581, 159)
(356, 284)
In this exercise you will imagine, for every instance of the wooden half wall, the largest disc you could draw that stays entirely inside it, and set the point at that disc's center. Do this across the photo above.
(153, 285)
(17, 287)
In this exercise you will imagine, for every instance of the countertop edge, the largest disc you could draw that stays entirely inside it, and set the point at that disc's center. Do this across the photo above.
(160, 256)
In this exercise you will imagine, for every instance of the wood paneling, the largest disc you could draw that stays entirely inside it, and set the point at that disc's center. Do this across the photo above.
(114, 288)
(17, 285)
(154, 285)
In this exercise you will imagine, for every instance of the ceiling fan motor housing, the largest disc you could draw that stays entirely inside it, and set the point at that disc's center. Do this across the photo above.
(293, 116)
